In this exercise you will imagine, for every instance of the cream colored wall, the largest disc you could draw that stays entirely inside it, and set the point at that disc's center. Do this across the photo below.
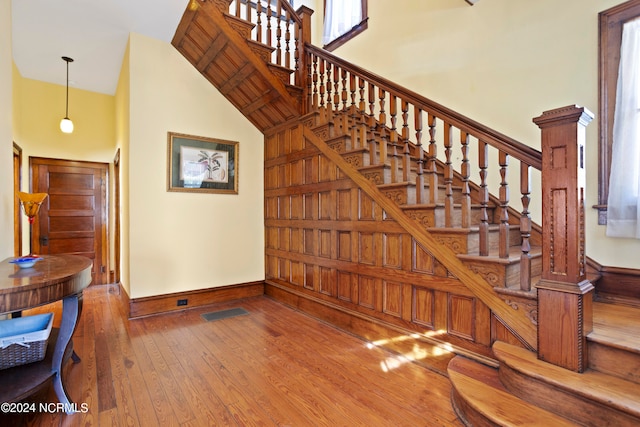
(6, 133)
(500, 62)
(123, 127)
(184, 241)
(38, 108)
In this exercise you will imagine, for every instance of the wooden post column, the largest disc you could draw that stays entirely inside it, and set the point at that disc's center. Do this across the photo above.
(564, 293)
(303, 73)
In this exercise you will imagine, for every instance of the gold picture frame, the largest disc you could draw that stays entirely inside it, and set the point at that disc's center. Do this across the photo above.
(197, 164)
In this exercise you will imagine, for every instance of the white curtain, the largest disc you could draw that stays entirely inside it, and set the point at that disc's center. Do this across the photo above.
(340, 17)
(623, 210)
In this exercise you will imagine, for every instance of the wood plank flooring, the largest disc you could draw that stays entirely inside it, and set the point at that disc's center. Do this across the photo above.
(272, 367)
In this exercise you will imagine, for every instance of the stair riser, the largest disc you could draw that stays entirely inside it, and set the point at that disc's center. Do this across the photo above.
(467, 414)
(569, 405)
(501, 275)
(473, 240)
(476, 215)
(614, 361)
(407, 194)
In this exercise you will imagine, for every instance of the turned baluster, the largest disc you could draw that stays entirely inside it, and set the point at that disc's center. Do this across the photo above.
(269, 13)
(382, 120)
(362, 125)
(238, 6)
(344, 97)
(279, 35)
(296, 52)
(308, 83)
(322, 90)
(406, 159)
(417, 113)
(432, 166)
(287, 40)
(483, 231)
(525, 228)
(259, 22)
(314, 101)
(353, 112)
(465, 172)
(448, 176)
(336, 93)
(483, 165)
(393, 137)
(372, 125)
(503, 240)
(329, 96)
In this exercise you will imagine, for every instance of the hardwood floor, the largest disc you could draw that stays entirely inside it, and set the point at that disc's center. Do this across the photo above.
(272, 367)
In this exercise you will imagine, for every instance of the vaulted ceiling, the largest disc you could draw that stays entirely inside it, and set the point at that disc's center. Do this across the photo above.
(92, 32)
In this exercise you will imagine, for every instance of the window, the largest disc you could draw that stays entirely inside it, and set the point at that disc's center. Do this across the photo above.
(343, 20)
(623, 214)
(611, 24)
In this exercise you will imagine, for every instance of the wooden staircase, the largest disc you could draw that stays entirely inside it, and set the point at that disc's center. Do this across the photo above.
(606, 394)
(216, 43)
(501, 272)
(494, 249)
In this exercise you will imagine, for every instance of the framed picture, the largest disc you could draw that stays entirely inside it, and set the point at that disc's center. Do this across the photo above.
(198, 164)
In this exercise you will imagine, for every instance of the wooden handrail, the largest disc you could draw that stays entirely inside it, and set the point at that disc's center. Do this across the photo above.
(517, 149)
(292, 13)
(373, 109)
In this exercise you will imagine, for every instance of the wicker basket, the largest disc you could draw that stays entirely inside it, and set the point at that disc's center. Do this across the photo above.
(24, 339)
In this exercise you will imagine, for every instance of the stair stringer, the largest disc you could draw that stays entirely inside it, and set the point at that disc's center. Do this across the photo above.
(516, 321)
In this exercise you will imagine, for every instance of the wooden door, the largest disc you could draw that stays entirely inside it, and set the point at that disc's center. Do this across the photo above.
(73, 219)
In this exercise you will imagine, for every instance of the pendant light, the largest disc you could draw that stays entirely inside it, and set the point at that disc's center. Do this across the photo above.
(66, 125)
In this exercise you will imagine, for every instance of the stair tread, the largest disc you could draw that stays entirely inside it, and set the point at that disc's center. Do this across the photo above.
(592, 385)
(479, 385)
(616, 325)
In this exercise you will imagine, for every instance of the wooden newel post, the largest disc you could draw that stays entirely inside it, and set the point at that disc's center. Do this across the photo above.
(564, 293)
(303, 71)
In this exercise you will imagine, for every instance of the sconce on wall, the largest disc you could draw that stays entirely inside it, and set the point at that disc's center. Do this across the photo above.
(66, 125)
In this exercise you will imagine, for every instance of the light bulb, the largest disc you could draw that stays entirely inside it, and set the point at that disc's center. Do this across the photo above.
(66, 125)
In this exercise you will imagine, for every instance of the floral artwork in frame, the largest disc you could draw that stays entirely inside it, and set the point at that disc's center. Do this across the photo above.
(201, 165)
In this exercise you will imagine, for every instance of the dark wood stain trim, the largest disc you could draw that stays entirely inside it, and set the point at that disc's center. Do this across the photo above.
(615, 284)
(157, 304)
(610, 38)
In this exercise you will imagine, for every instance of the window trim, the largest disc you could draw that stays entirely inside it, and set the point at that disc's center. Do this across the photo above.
(363, 25)
(610, 30)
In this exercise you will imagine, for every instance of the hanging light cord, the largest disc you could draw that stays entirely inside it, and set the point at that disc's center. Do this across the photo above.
(67, 60)
(66, 113)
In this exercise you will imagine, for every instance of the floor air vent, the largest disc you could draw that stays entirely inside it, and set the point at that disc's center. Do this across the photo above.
(224, 314)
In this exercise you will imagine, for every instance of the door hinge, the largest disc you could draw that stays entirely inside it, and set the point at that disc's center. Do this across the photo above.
(103, 269)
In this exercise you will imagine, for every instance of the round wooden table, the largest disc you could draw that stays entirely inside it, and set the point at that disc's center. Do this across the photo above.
(56, 277)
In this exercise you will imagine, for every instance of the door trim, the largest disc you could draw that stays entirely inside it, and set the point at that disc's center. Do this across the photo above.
(17, 217)
(116, 220)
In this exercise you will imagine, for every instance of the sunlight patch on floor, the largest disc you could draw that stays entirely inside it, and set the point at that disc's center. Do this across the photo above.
(418, 352)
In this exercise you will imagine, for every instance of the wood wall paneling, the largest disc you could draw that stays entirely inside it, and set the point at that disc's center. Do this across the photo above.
(333, 244)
